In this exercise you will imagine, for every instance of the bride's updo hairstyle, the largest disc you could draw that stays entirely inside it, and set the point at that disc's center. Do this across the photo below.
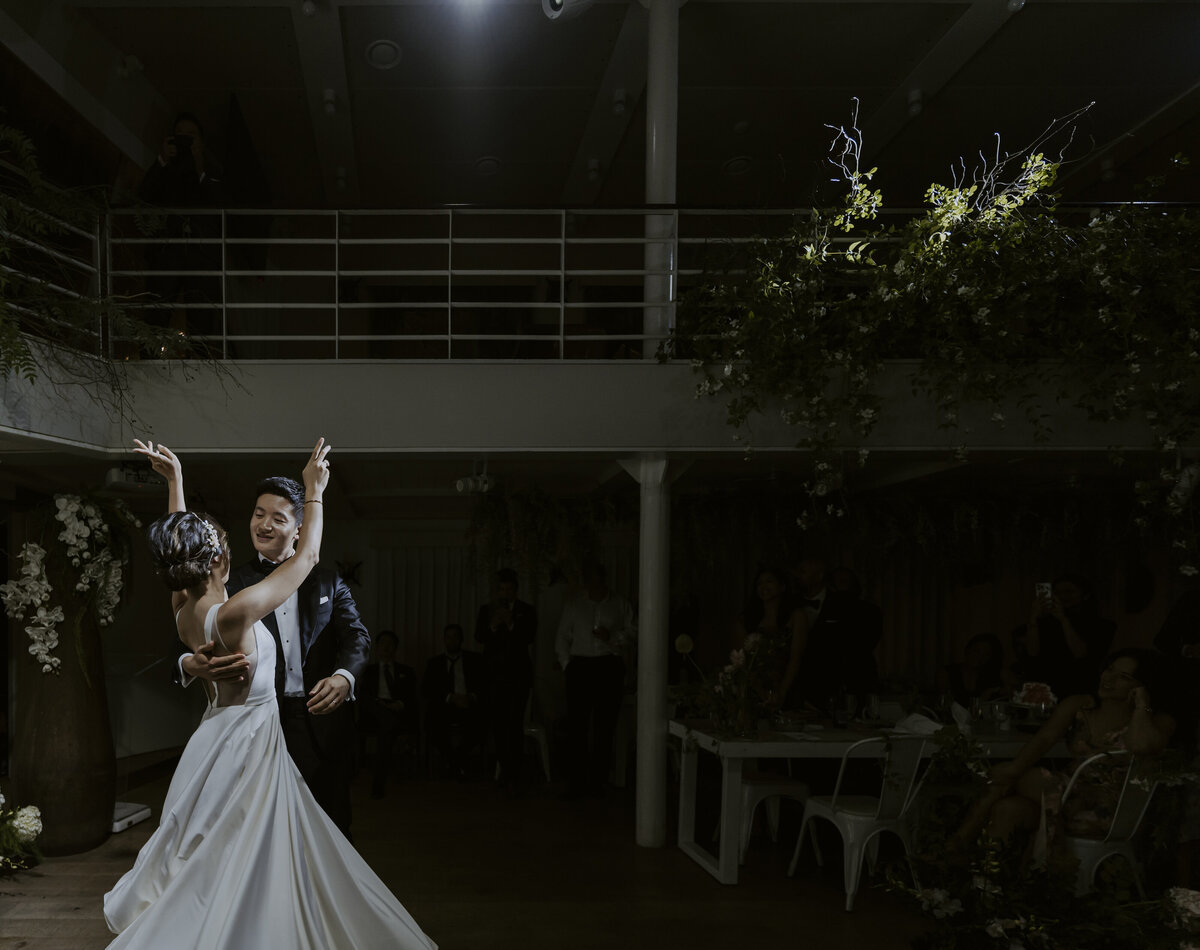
(183, 546)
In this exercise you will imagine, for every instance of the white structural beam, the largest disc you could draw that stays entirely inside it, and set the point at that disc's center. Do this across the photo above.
(662, 146)
(978, 24)
(620, 89)
(1110, 156)
(327, 88)
(654, 560)
(61, 49)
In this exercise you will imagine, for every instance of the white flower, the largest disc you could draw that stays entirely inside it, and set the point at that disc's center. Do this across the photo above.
(27, 823)
(752, 641)
(1188, 570)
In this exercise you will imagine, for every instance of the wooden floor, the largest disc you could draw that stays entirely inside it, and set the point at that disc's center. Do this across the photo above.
(484, 872)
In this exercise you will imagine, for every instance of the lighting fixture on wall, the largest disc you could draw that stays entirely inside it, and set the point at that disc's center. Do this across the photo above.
(474, 484)
(916, 102)
(593, 169)
(330, 99)
(618, 102)
(308, 8)
(383, 54)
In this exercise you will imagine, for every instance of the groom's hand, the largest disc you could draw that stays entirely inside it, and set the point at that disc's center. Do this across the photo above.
(328, 695)
(203, 665)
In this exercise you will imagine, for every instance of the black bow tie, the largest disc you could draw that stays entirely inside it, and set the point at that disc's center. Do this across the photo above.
(263, 566)
(810, 602)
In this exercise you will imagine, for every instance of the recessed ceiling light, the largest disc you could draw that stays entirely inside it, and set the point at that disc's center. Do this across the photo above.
(383, 54)
(738, 165)
(487, 165)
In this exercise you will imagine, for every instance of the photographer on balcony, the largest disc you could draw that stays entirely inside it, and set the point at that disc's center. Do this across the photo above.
(180, 179)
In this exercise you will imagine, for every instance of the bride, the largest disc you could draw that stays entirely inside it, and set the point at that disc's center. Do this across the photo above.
(244, 856)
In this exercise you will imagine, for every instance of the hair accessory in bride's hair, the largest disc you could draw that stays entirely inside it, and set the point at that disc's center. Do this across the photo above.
(212, 538)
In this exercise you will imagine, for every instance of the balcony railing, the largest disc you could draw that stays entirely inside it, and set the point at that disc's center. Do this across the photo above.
(439, 284)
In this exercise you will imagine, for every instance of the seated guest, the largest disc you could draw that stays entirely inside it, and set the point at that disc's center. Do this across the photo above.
(838, 637)
(865, 632)
(387, 706)
(1065, 638)
(1119, 715)
(453, 684)
(980, 673)
(784, 632)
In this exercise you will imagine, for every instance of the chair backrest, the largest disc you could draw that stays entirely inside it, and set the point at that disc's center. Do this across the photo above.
(1134, 796)
(900, 760)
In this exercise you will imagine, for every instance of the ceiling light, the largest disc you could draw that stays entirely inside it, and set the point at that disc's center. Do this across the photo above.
(564, 9)
(330, 100)
(1015, 6)
(308, 8)
(487, 165)
(738, 165)
(915, 102)
(618, 102)
(383, 54)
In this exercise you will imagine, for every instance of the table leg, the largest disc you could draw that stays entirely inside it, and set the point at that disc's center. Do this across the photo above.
(688, 757)
(730, 846)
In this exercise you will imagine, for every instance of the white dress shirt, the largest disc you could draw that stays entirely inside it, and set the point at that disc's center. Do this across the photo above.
(581, 616)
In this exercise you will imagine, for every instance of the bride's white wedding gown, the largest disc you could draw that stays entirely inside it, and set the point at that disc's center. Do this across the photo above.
(244, 857)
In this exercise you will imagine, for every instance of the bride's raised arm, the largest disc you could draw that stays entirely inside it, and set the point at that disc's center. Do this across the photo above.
(167, 464)
(256, 601)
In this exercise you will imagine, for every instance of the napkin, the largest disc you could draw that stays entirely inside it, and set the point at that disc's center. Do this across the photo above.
(914, 724)
(962, 718)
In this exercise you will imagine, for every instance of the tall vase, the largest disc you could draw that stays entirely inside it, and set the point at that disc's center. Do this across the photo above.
(63, 759)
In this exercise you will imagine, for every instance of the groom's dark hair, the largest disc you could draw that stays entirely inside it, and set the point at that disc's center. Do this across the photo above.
(287, 488)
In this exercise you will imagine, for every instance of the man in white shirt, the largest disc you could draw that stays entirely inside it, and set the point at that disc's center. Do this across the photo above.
(593, 633)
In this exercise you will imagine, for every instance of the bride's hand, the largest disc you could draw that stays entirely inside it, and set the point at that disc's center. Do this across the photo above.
(162, 459)
(316, 472)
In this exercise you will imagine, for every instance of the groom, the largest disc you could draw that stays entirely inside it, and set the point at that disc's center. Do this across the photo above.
(321, 648)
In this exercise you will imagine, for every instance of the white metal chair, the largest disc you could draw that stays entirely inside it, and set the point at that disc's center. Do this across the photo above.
(1131, 807)
(860, 818)
(768, 790)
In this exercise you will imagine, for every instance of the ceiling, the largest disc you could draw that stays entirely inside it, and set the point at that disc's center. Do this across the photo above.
(488, 102)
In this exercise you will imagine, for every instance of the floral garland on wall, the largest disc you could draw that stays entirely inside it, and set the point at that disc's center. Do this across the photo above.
(1002, 299)
(92, 554)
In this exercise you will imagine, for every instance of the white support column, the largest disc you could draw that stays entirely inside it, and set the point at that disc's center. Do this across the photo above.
(662, 143)
(650, 471)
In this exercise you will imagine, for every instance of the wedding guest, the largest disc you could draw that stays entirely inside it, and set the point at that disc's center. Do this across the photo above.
(1065, 637)
(506, 627)
(865, 626)
(387, 707)
(453, 687)
(180, 178)
(321, 650)
(833, 656)
(592, 633)
(979, 675)
(783, 628)
(1130, 710)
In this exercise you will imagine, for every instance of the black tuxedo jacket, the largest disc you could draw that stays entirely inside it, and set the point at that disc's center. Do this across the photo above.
(507, 650)
(437, 685)
(332, 635)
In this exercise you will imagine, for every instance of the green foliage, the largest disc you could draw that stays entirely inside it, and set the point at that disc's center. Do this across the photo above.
(1001, 298)
(51, 309)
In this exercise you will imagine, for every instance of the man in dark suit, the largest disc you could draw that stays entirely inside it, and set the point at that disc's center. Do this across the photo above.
(387, 706)
(839, 654)
(506, 627)
(321, 649)
(452, 688)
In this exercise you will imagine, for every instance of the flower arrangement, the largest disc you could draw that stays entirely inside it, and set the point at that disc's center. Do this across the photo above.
(19, 829)
(92, 556)
(1035, 694)
(736, 697)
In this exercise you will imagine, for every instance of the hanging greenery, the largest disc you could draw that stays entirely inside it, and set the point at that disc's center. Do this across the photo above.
(58, 327)
(1002, 298)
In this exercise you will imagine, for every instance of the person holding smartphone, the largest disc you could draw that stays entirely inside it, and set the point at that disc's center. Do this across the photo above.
(1065, 640)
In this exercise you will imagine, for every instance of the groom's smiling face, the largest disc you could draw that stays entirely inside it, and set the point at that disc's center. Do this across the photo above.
(273, 528)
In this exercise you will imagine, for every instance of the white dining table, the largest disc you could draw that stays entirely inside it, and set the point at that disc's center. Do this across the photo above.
(811, 743)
